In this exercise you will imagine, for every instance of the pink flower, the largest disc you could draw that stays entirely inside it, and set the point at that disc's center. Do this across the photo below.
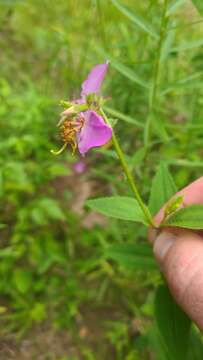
(81, 124)
(79, 167)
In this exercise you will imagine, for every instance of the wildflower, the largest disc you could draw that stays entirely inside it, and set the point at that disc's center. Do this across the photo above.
(80, 167)
(81, 124)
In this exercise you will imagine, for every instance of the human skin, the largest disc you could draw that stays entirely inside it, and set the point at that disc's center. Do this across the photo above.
(180, 255)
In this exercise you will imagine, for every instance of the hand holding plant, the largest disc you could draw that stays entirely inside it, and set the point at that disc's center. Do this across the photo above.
(84, 125)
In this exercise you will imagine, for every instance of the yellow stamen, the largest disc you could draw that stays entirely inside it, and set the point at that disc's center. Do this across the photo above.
(58, 152)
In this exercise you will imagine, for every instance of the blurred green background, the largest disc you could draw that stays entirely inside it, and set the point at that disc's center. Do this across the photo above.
(61, 296)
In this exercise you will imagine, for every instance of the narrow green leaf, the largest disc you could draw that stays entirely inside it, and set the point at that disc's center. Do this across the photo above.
(186, 163)
(128, 73)
(174, 6)
(167, 44)
(163, 188)
(188, 45)
(199, 5)
(119, 207)
(123, 117)
(187, 82)
(173, 324)
(10, 2)
(124, 70)
(136, 19)
(190, 217)
(159, 127)
(196, 345)
(132, 256)
(138, 157)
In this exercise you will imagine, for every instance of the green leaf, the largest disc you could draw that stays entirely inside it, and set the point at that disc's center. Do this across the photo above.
(52, 209)
(187, 82)
(38, 312)
(173, 324)
(119, 207)
(159, 127)
(117, 114)
(167, 45)
(8, 253)
(188, 45)
(196, 345)
(190, 217)
(132, 256)
(124, 70)
(136, 19)
(138, 157)
(173, 205)
(128, 73)
(22, 280)
(174, 6)
(199, 5)
(163, 188)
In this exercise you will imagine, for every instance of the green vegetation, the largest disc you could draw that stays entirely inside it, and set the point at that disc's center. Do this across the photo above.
(68, 275)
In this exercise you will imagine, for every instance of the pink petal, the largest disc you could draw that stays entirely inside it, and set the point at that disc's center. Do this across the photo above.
(95, 132)
(94, 80)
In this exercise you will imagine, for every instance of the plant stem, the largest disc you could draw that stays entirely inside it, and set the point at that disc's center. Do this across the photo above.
(157, 65)
(129, 175)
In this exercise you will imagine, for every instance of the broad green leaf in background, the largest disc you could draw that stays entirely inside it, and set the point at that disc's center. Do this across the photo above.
(52, 208)
(141, 22)
(119, 207)
(8, 253)
(163, 188)
(132, 256)
(190, 217)
(199, 5)
(173, 324)
(22, 280)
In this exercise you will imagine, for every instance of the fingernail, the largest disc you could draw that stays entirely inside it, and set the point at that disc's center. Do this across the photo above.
(153, 233)
(162, 245)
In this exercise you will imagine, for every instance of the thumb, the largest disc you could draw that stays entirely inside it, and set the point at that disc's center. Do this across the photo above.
(180, 256)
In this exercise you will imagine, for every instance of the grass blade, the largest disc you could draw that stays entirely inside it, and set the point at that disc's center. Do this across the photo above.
(136, 19)
(128, 73)
(199, 5)
(118, 115)
(174, 6)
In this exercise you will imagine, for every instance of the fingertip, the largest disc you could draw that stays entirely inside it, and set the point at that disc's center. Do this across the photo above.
(152, 234)
(181, 260)
(162, 245)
